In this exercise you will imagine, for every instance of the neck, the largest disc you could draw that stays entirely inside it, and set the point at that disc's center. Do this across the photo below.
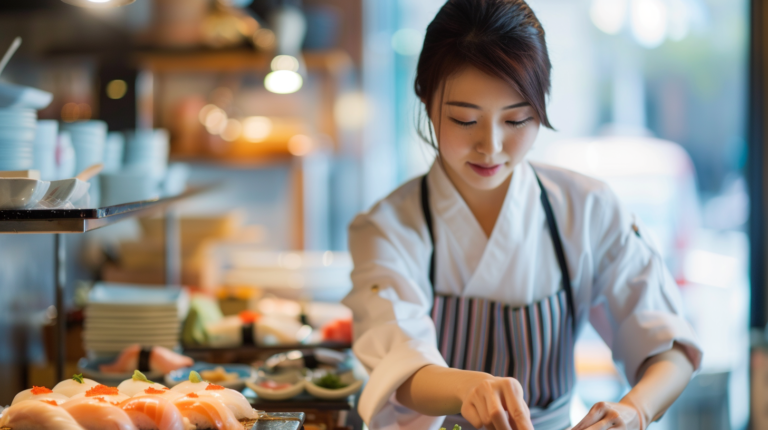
(485, 205)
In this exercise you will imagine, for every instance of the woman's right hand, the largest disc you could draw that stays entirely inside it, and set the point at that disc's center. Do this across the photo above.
(495, 404)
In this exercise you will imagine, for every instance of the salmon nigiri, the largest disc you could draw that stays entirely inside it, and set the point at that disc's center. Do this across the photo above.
(160, 359)
(39, 393)
(207, 413)
(96, 413)
(36, 415)
(234, 400)
(154, 413)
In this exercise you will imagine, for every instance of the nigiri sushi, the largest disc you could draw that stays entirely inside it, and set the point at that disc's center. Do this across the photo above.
(164, 393)
(154, 413)
(234, 400)
(111, 394)
(137, 384)
(73, 386)
(98, 414)
(160, 359)
(207, 413)
(39, 393)
(35, 415)
(195, 383)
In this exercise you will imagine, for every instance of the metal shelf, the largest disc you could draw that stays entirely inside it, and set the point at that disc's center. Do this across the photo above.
(53, 221)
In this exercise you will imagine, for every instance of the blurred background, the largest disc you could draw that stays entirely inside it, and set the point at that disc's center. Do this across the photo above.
(302, 113)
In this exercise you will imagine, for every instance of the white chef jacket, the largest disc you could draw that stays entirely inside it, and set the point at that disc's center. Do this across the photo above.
(619, 279)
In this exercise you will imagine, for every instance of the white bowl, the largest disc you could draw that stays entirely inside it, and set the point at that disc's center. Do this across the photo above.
(296, 380)
(17, 96)
(21, 193)
(353, 386)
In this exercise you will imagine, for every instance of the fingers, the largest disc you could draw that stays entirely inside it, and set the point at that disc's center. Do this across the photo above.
(469, 412)
(601, 417)
(496, 417)
(514, 402)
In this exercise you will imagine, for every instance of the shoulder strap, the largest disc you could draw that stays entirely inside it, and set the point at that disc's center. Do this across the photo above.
(428, 218)
(554, 233)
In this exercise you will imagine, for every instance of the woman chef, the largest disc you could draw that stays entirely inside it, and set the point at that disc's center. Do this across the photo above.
(470, 284)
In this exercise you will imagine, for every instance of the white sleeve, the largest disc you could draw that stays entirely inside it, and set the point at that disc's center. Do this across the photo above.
(394, 335)
(636, 305)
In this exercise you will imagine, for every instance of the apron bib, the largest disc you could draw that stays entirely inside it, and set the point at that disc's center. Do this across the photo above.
(533, 344)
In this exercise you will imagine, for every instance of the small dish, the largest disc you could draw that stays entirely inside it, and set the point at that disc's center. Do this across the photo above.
(21, 97)
(21, 193)
(244, 372)
(347, 378)
(295, 380)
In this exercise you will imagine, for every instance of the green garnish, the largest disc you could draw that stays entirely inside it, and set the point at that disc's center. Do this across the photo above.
(78, 378)
(195, 377)
(330, 381)
(456, 427)
(138, 376)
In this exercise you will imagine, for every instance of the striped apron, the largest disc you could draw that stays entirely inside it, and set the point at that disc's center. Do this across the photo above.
(533, 344)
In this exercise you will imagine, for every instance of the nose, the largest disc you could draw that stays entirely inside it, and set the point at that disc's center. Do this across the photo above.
(491, 141)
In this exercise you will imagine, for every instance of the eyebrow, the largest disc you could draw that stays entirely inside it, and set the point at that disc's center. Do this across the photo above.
(473, 106)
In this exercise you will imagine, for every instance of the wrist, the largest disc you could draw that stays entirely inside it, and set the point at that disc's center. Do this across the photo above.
(642, 417)
(469, 380)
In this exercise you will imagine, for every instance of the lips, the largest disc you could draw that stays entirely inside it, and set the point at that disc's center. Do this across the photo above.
(485, 170)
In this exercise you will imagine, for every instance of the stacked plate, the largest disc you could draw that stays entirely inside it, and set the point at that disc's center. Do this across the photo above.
(120, 315)
(17, 134)
(147, 150)
(113, 152)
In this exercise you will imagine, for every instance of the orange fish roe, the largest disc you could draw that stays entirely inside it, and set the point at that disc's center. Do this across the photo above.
(50, 402)
(151, 390)
(101, 399)
(101, 390)
(36, 391)
(193, 396)
(214, 387)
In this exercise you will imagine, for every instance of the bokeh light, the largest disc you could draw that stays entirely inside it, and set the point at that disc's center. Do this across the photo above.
(649, 22)
(609, 15)
(256, 128)
(300, 145)
(407, 41)
(117, 89)
(233, 129)
(352, 111)
(283, 82)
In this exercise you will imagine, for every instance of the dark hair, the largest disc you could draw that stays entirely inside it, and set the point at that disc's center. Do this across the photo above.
(502, 38)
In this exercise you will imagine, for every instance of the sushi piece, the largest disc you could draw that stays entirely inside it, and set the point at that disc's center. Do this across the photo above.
(96, 413)
(39, 393)
(234, 400)
(137, 384)
(160, 359)
(35, 415)
(154, 413)
(111, 394)
(73, 386)
(195, 383)
(164, 393)
(207, 413)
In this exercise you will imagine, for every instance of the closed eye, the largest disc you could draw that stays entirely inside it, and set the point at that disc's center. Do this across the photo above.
(519, 124)
(462, 123)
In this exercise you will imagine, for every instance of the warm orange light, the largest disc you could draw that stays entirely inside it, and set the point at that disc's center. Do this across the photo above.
(70, 112)
(300, 145)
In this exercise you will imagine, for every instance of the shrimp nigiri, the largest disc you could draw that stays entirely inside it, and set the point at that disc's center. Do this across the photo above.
(164, 393)
(207, 413)
(73, 386)
(111, 394)
(154, 413)
(160, 359)
(137, 384)
(35, 415)
(195, 383)
(234, 400)
(39, 393)
(98, 414)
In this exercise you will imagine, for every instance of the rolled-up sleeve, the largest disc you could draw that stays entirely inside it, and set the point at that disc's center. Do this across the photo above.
(636, 305)
(394, 335)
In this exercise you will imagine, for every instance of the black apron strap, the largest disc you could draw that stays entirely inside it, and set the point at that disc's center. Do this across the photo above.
(428, 218)
(554, 233)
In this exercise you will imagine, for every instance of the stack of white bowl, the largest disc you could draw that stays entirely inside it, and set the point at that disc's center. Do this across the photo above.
(113, 152)
(89, 139)
(17, 136)
(119, 315)
(45, 149)
(146, 164)
(65, 156)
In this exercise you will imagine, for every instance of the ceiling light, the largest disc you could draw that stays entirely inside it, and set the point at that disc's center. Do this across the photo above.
(98, 3)
(283, 82)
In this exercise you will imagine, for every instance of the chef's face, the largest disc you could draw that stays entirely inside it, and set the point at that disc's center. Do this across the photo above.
(484, 128)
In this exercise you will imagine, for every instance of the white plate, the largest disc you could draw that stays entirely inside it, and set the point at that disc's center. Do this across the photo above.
(285, 394)
(20, 97)
(353, 386)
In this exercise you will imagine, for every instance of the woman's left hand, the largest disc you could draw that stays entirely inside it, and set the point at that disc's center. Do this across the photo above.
(607, 415)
